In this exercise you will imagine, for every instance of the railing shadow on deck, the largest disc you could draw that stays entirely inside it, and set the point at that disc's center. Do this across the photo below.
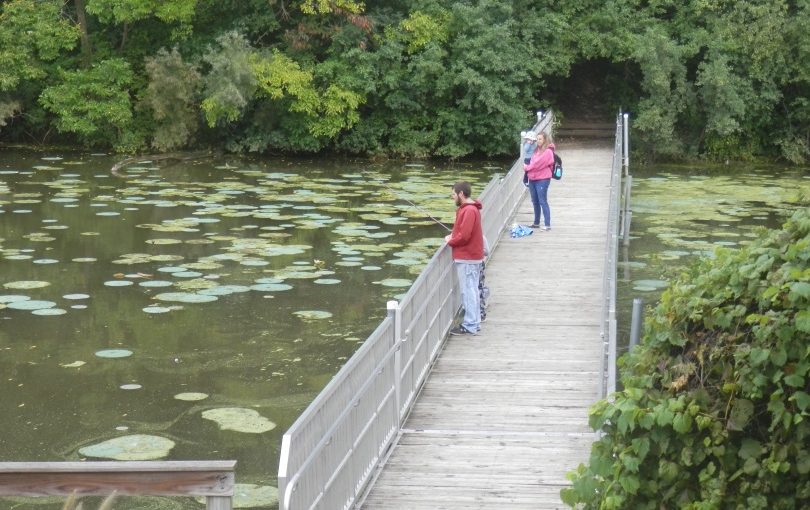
(331, 452)
(213, 480)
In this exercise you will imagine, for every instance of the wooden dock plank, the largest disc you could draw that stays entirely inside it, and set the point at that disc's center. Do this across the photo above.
(504, 414)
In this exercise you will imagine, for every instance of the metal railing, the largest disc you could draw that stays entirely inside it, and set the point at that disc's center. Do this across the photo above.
(333, 449)
(617, 218)
(213, 480)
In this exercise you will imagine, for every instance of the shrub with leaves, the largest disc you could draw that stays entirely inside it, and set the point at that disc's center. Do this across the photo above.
(171, 97)
(716, 407)
(93, 103)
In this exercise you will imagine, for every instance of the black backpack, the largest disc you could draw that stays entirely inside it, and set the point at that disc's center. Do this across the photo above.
(556, 172)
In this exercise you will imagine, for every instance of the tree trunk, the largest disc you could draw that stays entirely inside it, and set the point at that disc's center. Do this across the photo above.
(180, 156)
(124, 37)
(81, 16)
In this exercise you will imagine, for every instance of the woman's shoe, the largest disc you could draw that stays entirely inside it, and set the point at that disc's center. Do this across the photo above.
(534, 225)
(546, 228)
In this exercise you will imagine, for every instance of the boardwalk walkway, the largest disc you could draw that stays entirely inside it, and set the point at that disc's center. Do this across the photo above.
(503, 415)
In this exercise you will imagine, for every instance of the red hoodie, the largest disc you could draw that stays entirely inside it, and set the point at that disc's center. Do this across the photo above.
(467, 238)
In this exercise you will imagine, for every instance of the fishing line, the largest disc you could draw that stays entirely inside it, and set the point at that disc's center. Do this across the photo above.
(393, 192)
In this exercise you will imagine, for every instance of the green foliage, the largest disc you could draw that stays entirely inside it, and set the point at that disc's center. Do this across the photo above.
(421, 29)
(31, 34)
(715, 411)
(230, 84)
(329, 6)
(171, 96)
(93, 103)
(127, 11)
(426, 77)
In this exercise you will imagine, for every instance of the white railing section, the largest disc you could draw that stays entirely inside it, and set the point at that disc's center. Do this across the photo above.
(607, 380)
(331, 451)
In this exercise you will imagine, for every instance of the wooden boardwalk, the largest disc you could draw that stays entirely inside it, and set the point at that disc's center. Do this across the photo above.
(504, 414)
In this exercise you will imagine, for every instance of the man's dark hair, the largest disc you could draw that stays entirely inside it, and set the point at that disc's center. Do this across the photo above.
(463, 187)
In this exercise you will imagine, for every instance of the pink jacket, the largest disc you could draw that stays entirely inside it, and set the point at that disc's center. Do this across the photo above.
(540, 165)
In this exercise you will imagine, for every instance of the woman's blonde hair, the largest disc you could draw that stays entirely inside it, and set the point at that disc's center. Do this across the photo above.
(546, 140)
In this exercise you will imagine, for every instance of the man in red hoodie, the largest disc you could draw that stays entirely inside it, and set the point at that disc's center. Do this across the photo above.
(467, 242)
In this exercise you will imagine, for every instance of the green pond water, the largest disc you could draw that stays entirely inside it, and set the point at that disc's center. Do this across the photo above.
(680, 213)
(193, 310)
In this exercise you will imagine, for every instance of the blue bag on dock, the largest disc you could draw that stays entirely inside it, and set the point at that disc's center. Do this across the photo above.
(520, 231)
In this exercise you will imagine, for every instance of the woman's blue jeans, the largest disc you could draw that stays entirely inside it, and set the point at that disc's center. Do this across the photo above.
(539, 192)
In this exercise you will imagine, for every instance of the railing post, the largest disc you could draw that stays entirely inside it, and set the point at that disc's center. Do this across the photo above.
(626, 143)
(635, 322)
(395, 313)
(627, 213)
(218, 503)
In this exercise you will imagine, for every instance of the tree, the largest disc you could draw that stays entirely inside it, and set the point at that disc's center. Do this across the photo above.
(715, 410)
(172, 98)
(93, 103)
(32, 33)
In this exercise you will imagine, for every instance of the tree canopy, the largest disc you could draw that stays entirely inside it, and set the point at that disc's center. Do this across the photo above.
(721, 79)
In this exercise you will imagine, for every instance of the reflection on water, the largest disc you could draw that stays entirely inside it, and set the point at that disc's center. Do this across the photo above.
(134, 305)
(680, 213)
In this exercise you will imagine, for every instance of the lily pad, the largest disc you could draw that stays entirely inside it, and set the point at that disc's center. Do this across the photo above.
(25, 285)
(395, 282)
(326, 281)
(45, 261)
(156, 283)
(271, 287)
(11, 298)
(76, 296)
(130, 386)
(75, 364)
(118, 283)
(312, 314)
(239, 419)
(134, 447)
(191, 396)
(114, 353)
(224, 290)
(49, 311)
(187, 274)
(31, 304)
(246, 495)
(185, 297)
(157, 309)
(656, 284)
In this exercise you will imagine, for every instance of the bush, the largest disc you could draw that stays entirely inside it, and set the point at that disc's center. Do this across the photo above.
(716, 403)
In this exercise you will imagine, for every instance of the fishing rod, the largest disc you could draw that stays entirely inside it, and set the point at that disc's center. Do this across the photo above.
(393, 192)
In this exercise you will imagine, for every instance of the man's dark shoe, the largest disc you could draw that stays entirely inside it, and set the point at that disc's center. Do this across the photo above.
(461, 330)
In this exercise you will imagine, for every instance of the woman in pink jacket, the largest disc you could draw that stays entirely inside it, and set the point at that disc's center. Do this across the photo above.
(539, 172)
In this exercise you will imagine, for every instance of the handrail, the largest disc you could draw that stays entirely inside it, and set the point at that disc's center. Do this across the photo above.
(211, 479)
(333, 449)
(608, 333)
